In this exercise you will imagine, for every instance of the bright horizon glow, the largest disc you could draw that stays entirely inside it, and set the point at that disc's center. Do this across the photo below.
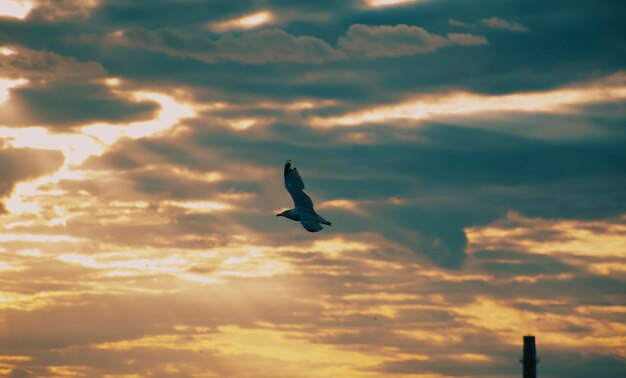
(275, 344)
(246, 22)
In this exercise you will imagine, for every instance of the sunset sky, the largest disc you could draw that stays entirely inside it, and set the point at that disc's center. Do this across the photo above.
(471, 156)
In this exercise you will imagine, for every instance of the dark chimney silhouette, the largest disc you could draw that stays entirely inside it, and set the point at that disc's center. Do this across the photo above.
(529, 359)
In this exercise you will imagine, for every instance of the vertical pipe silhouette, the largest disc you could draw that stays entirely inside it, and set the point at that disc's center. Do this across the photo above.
(529, 359)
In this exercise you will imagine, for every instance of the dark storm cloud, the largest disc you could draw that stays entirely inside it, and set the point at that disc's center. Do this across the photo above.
(255, 47)
(512, 263)
(65, 105)
(511, 61)
(266, 46)
(392, 41)
(62, 92)
(40, 64)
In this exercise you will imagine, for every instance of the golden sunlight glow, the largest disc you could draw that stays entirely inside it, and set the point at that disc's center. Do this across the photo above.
(22, 199)
(430, 106)
(607, 268)
(201, 206)
(30, 252)
(287, 347)
(583, 238)
(15, 358)
(94, 139)
(171, 112)
(508, 321)
(388, 3)
(16, 204)
(492, 315)
(602, 309)
(6, 51)
(295, 106)
(199, 278)
(255, 266)
(4, 266)
(433, 336)
(309, 104)
(113, 81)
(242, 124)
(12, 225)
(38, 238)
(6, 85)
(338, 245)
(212, 176)
(473, 357)
(387, 297)
(397, 201)
(153, 265)
(88, 141)
(29, 302)
(15, 8)
(445, 276)
(73, 10)
(341, 204)
(136, 238)
(249, 21)
(76, 147)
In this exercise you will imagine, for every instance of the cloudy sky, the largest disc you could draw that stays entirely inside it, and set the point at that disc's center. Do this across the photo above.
(470, 154)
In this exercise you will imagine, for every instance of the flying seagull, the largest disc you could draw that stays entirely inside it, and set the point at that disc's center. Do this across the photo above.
(303, 211)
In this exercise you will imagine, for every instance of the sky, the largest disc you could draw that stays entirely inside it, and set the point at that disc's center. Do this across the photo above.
(471, 156)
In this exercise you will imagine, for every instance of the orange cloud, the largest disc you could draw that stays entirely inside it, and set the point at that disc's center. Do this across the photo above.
(581, 238)
(249, 21)
(433, 106)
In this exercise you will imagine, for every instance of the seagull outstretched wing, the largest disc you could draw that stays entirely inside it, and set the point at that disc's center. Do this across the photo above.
(302, 202)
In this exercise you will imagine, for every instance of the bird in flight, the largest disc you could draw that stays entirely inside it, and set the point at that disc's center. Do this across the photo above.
(303, 211)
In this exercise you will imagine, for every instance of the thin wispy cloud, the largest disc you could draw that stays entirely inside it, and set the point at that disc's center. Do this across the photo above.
(498, 23)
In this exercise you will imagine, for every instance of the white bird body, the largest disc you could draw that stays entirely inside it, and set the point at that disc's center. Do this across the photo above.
(303, 211)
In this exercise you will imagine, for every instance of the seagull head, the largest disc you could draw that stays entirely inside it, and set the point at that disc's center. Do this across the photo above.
(290, 214)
